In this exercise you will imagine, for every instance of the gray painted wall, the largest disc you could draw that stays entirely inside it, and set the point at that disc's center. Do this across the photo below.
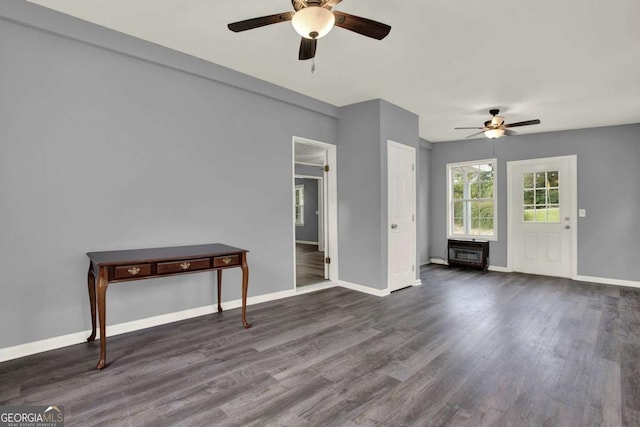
(363, 132)
(424, 154)
(608, 179)
(309, 170)
(309, 231)
(359, 198)
(102, 151)
(398, 125)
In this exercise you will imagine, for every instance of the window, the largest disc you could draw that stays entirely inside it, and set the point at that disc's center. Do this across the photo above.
(471, 199)
(299, 201)
(540, 197)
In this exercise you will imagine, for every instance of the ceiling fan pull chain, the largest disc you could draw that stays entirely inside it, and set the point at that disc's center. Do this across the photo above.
(313, 65)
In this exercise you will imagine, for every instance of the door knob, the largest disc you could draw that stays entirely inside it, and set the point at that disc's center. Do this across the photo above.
(566, 227)
(394, 225)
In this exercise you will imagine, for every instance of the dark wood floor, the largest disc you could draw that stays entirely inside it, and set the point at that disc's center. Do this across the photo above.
(309, 265)
(465, 349)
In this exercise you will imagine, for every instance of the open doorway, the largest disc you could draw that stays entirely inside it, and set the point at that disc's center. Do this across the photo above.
(315, 213)
(309, 217)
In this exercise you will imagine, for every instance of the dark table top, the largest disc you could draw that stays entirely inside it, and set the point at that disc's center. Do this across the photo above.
(137, 256)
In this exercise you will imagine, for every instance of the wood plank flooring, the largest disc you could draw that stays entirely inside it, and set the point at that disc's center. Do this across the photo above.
(309, 265)
(465, 349)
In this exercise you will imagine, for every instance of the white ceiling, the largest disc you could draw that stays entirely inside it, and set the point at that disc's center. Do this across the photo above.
(571, 63)
(310, 154)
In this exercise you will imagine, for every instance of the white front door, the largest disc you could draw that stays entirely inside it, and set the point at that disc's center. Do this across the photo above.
(401, 179)
(542, 209)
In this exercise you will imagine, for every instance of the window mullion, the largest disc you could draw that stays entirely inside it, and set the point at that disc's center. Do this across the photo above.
(466, 221)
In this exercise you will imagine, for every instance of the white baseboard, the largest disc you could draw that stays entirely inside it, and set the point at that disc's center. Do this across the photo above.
(317, 287)
(592, 279)
(364, 289)
(27, 349)
(40, 346)
(34, 347)
(305, 242)
(608, 281)
(440, 261)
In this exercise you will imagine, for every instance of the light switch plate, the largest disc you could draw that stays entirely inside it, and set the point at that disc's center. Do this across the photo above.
(582, 213)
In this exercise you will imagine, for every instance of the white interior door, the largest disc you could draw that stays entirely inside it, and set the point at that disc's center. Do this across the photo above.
(542, 208)
(401, 194)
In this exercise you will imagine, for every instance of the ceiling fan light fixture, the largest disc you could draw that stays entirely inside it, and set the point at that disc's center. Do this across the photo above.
(494, 133)
(313, 22)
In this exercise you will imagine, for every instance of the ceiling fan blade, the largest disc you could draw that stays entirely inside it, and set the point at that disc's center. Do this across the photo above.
(468, 128)
(307, 49)
(477, 133)
(364, 26)
(250, 24)
(526, 123)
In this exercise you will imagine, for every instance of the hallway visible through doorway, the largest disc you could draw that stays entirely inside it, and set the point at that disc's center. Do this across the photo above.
(315, 215)
(309, 265)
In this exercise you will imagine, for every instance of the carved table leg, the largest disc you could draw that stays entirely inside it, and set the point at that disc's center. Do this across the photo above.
(245, 287)
(219, 291)
(103, 283)
(91, 281)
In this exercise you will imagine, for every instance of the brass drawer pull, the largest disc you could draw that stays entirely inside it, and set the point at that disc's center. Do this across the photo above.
(134, 270)
(226, 260)
(185, 265)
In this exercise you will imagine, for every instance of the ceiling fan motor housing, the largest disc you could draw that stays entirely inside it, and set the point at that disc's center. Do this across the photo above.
(497, 121)
(313, 22)
(496, 127)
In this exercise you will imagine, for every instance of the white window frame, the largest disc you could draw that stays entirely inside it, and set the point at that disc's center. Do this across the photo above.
(450, 222)
(299, 219)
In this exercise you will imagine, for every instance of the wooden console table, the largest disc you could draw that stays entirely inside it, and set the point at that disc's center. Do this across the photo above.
(122, 266)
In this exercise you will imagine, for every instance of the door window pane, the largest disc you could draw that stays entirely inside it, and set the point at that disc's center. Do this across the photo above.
(553, 213)
(540, 197)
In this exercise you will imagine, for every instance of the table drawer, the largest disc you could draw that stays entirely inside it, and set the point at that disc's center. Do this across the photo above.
(226, 261)
(129, 271)
(183, 265)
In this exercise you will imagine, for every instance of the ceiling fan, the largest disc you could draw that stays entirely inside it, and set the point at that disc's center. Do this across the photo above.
(496, 127)
(314, 19)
